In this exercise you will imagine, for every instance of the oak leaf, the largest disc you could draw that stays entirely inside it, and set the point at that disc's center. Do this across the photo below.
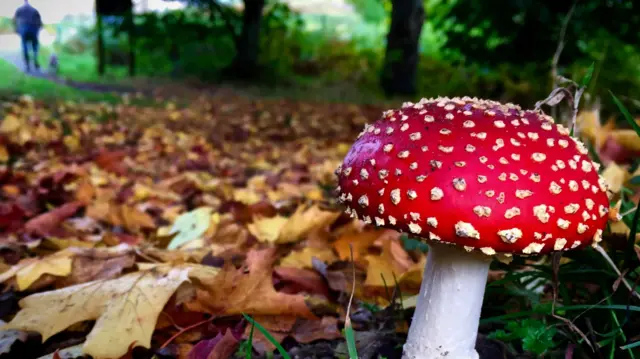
(125, 309)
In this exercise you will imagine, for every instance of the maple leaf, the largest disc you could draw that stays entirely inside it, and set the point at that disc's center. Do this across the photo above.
(126, 309)
(248, 289)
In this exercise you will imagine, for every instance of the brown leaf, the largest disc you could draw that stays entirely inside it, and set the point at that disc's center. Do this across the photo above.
(248, 289)
(225, 347)
(302, 330)
(47, 222)
(296, 280)
(360, 242)
(99, 263)
(112, 161)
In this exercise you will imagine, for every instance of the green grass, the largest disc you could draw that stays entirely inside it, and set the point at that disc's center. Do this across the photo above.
(82, 67)
(14, 82)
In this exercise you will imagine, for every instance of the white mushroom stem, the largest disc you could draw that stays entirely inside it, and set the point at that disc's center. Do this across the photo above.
(446, 319)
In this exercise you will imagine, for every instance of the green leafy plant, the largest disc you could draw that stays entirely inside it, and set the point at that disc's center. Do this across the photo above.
(535, 335)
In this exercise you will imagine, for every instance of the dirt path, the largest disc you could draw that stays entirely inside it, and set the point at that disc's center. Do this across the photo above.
(10, 51)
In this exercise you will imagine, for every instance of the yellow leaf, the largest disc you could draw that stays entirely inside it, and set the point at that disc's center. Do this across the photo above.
(626, 138)
(615, 176)
(267, 229)
(246, 196)
(72, 143)
(30, 270)
(192, 225)
(302, 259)
(4, 154)
(303, 221)
(387, 267)
(125, 309)
(590, 126)
(10, 124)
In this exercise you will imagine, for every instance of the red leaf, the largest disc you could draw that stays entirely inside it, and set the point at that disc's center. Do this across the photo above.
(47, 222)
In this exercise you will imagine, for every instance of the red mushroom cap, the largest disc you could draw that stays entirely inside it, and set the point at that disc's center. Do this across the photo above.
(478, 174)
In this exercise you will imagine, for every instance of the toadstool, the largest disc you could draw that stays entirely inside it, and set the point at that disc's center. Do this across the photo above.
(475, 178)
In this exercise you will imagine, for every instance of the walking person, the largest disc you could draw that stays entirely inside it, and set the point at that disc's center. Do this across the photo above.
(28, 23)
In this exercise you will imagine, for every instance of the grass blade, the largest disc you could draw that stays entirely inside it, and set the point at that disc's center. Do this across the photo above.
(348, 329)
(249, 352)
(626, 113)
(268, 335)
(351, 340)
(631, 345)
(634, 223)
(587, 76)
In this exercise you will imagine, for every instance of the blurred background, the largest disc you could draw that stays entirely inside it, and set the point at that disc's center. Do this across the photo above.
(357, 49)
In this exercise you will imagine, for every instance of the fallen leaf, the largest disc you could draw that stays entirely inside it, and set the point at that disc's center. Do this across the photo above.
(248, 289)
(9, 337)
(303, 221)
(93, 264)
(302, 330)
(295, 280)
(359, 242)
(384, 270)
(121, 215)
(125, 309)
(302, 258)
(30, 270)
(220, 347)
(282, 230)
(615, 176)
(47, 222)
(71, 352)
(192, 225)
(267, 229)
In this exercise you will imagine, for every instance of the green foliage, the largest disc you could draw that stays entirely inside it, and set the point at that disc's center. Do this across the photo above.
(535, 335)
(6, 25)
(371, 11)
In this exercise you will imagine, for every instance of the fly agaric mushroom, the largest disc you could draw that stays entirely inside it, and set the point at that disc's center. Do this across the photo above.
(477, 174)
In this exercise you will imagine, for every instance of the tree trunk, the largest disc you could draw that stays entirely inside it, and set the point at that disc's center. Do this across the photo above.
(401, 58)
(245, 62)
(131, 27)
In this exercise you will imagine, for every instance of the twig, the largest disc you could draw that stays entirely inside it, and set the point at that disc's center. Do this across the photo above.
(555, 76)
(604, 254)
(173, 337)
(555, 265)
(556, 55)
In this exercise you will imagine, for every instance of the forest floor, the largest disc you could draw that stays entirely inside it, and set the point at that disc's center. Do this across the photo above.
(131, 230)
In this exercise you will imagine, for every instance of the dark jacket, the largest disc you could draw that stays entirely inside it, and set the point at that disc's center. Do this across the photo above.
(27, 20)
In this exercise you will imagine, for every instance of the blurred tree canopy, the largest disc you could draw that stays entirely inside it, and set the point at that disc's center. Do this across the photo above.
(500, 49)
(523, 31)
